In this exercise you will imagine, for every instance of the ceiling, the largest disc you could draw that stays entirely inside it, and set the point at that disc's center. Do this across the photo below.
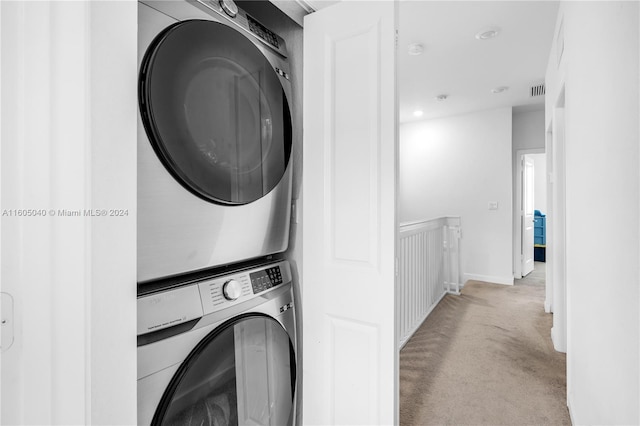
(456, 64)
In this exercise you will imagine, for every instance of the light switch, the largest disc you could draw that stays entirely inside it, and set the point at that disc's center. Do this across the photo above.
(493, 205)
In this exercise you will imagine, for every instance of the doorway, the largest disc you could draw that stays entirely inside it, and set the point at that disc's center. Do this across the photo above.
(530, 207)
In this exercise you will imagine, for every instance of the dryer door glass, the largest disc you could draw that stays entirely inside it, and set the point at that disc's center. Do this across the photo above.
(215, 112)
(243, 373)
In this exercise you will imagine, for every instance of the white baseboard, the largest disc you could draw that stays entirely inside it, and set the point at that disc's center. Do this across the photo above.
(557, 344)
(569, 405)
(508, 280)
(547, 306)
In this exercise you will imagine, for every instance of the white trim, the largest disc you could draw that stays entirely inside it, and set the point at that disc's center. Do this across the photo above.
(558, 217)
(547, 306)
(112, 267)
(304, 5)
(492, 279)
(315, 5)
(1, 317)
(295, 10)
(572, 416)
(435, 222)
(558, 344)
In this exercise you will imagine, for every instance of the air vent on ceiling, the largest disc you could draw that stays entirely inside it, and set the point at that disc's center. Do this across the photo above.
(537, 90)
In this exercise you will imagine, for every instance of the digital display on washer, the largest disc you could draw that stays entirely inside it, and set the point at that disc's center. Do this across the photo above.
(265, 279)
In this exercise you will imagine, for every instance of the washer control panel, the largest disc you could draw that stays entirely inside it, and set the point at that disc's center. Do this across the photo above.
(195, 299)
(265, 279)
(216, 295)
(225, 291)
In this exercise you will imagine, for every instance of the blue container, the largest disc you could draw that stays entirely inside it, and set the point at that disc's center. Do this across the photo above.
(539, 254)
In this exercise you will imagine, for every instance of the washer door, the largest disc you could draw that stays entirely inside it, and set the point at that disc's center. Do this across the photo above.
(241, 373)
(215, 112)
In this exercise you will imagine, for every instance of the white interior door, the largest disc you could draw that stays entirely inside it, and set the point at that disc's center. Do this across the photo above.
(349, 215)
(527, 214)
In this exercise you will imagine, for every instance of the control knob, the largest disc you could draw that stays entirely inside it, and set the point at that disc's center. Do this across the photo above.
(231, 290)
(229, 7)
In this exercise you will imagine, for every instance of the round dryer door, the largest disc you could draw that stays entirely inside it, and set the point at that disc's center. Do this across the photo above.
(215, 112)
(241, 373)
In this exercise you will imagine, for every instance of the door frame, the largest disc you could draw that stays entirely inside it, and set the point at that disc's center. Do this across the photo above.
(557, 265)
(517, 219)
(549, 141)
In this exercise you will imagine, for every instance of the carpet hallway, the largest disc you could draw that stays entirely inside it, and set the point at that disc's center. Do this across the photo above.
(485, 358)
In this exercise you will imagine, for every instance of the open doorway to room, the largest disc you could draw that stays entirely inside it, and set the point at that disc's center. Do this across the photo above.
(530, 212)
(531, 203)
(471, 108)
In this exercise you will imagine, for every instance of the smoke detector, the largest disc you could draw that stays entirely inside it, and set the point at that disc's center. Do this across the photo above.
(488, 33)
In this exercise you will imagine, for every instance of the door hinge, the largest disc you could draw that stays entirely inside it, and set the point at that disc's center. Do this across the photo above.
(396, 267)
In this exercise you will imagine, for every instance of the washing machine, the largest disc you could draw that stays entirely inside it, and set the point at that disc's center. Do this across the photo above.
(219, 351)
(214, 138)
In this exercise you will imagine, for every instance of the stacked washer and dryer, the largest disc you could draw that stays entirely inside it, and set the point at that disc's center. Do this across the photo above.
(216, 321)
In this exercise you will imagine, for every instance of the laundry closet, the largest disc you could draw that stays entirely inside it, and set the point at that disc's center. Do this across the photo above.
(217, 324)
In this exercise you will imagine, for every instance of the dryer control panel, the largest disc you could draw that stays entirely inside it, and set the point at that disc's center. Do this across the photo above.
(228, 10)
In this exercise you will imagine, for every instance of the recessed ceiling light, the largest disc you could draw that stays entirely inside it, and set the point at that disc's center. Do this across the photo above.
(499, 89)
(488, 33)
(418, 113)
(416, 49)
(441, 98)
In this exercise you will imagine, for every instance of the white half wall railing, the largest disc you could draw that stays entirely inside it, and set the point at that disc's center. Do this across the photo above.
(429, 268)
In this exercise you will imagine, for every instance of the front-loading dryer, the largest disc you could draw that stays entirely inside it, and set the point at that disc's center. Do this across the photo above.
(219, 351)
(214, 138)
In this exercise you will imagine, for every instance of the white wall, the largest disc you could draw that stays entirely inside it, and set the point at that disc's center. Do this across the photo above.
(600, 69)
(454, 166)
(528, 130)
(69, 142)
(540, 180)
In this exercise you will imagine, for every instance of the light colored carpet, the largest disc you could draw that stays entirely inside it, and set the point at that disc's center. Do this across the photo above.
(485, 358)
